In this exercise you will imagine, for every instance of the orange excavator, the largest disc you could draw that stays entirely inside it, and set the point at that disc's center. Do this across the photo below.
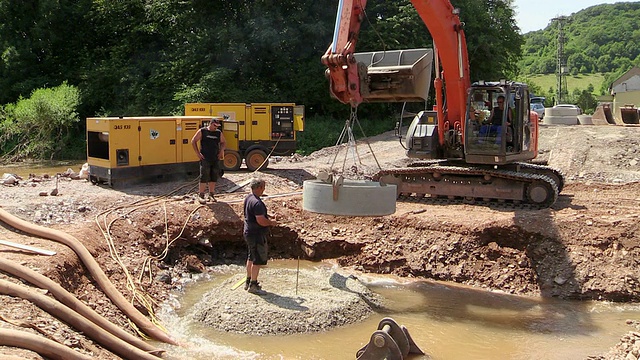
(476, 144)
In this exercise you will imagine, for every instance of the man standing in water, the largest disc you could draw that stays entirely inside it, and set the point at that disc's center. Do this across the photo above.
(256, 227)
(212, 145)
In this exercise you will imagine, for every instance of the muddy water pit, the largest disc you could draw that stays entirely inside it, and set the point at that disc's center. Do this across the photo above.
(446, 321)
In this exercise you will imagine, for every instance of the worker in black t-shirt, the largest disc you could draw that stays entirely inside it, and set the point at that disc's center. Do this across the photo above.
(212, 145)
(256, 228)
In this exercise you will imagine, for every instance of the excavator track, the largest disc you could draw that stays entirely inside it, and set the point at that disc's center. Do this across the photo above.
(555, 174)
(530, 187)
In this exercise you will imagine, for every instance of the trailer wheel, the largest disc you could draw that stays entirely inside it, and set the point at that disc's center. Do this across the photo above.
(231, 161)
(256, 160)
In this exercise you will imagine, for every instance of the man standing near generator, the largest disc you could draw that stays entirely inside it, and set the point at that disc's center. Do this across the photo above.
(212, 145)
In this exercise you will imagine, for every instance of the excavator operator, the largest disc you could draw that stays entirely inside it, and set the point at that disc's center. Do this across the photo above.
(498, 112)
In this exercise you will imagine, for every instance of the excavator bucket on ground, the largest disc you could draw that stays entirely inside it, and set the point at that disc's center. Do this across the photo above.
(391, 342)
(629, 114)
(603, 115)
(395, 75)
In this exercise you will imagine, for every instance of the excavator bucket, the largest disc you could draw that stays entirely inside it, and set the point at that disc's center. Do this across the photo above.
(629, 114)
(395, 75)
(603, 115)
(390, 342)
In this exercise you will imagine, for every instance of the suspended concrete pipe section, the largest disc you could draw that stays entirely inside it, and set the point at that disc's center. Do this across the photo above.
(348, 197)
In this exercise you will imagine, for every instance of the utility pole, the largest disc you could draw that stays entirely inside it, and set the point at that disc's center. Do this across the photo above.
(561, 64)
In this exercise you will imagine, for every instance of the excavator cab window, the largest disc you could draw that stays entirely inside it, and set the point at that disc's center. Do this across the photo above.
(488, 118)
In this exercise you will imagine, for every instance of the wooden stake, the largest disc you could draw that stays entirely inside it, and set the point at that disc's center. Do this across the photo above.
(27, 247)
(297, 272)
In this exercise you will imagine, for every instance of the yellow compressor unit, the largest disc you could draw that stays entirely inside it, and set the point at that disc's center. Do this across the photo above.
(122, 149)
(263, 128)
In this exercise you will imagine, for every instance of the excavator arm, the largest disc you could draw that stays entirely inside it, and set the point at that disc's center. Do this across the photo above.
(339, 58)
(349, 78)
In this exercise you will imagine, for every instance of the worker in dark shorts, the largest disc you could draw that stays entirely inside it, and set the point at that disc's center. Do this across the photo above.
(212, 145)
(256, 228)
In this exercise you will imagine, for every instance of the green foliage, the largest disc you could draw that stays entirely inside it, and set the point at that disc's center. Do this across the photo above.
(42, 126)
(492, 37)
(149, 57)
(598, 39)
(586, 101)
(545, 85)
(324, 131)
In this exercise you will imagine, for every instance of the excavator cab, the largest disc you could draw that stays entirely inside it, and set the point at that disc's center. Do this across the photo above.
(497, 126)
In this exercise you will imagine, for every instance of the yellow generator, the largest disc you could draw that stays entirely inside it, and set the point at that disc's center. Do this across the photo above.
(263, 129)
(121, 149)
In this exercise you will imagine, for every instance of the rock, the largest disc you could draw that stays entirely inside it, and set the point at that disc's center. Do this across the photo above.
(194, 264)
(164, 277)
(9, 179)
(559, 280)
(84, 171)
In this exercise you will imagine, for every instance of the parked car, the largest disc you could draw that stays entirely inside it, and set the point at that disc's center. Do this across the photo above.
(537, 99)
(569, 106)
(539, 109)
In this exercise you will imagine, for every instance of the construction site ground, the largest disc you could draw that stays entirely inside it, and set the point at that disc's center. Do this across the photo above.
(586, 246)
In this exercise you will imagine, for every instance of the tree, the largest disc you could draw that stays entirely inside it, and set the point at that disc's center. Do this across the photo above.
(493, 39)
(41, 44)
(586, 101)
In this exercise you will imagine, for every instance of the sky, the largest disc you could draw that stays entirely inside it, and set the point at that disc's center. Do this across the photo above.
(532, 15)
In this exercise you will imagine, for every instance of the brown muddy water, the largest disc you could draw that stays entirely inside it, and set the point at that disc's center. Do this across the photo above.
(41, 167)
(445, 321)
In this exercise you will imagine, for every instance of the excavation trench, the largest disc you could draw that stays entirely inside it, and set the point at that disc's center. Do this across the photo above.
(510, 255)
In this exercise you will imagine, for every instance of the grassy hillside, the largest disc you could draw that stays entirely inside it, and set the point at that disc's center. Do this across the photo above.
(580, 82)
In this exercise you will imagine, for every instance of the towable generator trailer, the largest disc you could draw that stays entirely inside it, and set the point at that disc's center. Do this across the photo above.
(263, 129)
(130, 149)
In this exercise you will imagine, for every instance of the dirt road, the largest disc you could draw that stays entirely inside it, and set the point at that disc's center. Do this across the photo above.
(585, 246)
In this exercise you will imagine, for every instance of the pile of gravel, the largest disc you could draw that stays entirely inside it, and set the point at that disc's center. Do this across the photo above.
(324, 300)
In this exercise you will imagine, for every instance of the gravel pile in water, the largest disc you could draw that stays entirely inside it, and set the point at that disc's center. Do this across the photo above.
(324, 300)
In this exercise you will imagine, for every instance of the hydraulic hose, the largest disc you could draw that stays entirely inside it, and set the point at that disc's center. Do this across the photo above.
(94, 268)
(43, 346)
(91, 330)
(69, 300)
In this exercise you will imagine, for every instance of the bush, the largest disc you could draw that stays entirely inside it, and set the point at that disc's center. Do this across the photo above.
(42, 126)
